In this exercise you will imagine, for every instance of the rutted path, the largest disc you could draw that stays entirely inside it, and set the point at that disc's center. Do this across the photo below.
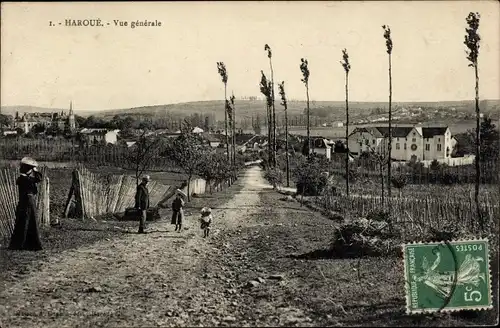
(131, 281)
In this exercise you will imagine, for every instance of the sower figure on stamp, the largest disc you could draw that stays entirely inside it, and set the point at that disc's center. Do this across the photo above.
(26, 235)
(177, 211)
(142, 202)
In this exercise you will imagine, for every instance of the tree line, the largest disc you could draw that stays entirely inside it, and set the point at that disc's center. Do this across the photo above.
(189, 152)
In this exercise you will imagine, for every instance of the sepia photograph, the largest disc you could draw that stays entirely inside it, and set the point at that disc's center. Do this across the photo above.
(249, 163)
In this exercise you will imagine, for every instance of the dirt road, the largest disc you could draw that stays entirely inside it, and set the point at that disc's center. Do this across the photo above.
(264, 265)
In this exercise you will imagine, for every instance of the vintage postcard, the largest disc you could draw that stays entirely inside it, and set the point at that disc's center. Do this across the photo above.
(249, 163)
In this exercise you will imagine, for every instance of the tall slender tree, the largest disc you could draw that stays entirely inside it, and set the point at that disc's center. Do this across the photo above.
(233, 109)
(347, 67)
(304, 68)
(230, 123)
(388, 44)
(471, 41)
(270, 55)
(265, 89)
(284, 104)
(223, 74)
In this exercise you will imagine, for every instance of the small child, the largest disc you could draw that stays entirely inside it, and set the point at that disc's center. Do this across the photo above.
(206, 219)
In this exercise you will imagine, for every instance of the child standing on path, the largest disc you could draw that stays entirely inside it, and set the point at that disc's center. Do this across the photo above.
(177, 212)
(206, 219)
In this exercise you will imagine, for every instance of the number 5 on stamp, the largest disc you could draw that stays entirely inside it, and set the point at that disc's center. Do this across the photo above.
(447, 276)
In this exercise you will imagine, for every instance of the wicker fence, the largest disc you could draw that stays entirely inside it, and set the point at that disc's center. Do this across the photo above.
(9, 196)
(97, 194)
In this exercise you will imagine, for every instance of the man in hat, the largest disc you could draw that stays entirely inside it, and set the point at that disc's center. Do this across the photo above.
(178, 211)
(142, 201)
(26, 235)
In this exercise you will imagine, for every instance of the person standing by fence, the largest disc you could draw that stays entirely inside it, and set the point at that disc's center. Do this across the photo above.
(177, 211)
(142, 202)
(26, 234)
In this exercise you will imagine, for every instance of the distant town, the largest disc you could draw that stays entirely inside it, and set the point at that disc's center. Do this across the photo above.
(413, 140)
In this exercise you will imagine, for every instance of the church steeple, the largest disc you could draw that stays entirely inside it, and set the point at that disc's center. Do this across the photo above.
(71, 117)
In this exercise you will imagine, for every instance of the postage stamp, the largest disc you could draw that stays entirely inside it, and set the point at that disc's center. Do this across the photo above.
(447, 276)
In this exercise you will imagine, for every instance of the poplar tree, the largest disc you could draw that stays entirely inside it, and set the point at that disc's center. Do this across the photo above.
(388, 44)
(305, 79)
(223, 73)
(471, 41)
(265, 89)
(347, 67)
(233, 110)
(281, 87)
(269, 55)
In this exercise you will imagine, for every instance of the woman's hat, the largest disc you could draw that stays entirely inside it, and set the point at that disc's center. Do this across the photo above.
(29, 161)
(206, 210)
(146, 178)
(180, 192)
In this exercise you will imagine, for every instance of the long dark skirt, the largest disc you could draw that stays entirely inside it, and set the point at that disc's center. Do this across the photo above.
(177, 217)
(26, 235)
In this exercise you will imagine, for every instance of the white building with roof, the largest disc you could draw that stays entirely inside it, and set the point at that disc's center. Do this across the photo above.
(417, 142)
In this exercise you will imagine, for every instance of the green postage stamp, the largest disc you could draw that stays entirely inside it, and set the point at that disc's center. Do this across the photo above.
(447, 276)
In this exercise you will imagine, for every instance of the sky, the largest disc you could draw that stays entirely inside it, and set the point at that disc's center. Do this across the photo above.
(112, 67)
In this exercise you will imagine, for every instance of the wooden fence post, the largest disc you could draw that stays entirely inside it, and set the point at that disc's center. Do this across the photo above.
(75, 192)
(49, 220)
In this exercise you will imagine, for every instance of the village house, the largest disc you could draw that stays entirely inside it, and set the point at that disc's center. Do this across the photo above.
(417, 142)
(9, 133)
(213, 140)
(321, 146)
(93, 136)
(61, 120)
(197, 130)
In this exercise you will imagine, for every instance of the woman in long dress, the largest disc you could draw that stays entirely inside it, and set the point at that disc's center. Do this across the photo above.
(26, 235)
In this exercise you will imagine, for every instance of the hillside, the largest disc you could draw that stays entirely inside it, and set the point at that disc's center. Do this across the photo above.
(11, 110)
(333, 110)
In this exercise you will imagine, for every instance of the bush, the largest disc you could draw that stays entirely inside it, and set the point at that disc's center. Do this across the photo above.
(399, 182)
(450, 178)
(275, 177)
(309, 177)
(353, 175)
(364, 237)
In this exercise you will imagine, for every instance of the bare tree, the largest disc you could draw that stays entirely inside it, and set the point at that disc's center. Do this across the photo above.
(380, 160)
(223, 73)
(269, 55)
(189, 153)
(305, 79)
(142, 153)
(472, 40)
(284, 104)
(388, 44)
(347, 67)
